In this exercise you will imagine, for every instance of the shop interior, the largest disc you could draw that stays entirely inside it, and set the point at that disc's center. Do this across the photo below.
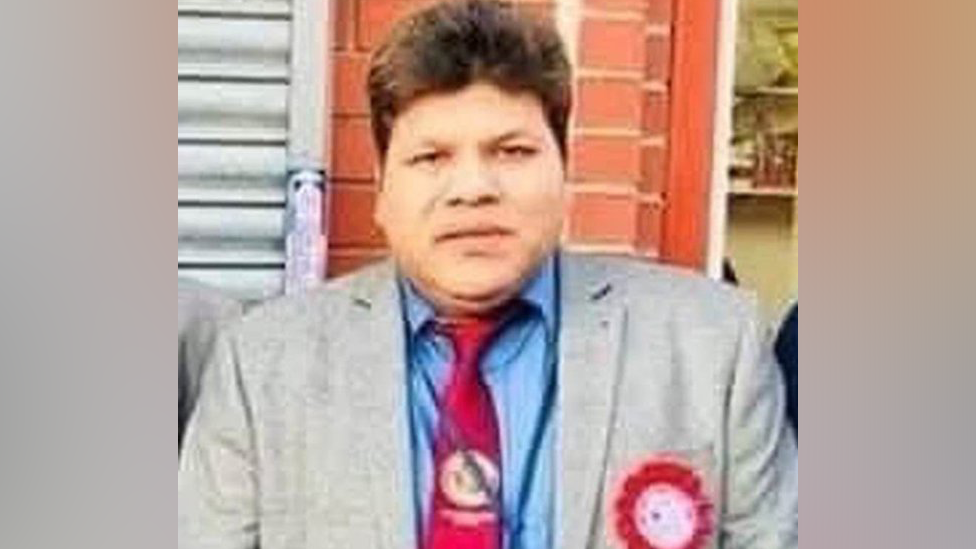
(762, 231)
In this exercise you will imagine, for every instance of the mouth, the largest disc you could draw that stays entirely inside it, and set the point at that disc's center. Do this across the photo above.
(473, 233)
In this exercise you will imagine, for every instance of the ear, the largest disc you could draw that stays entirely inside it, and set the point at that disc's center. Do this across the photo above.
(380, 207)
(378, 172)
(566, 207)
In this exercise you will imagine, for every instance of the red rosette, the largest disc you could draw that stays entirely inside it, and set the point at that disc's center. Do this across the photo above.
(663, 505)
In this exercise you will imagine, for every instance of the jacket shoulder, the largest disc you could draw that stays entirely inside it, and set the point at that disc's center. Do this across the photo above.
(655, 284)
(316, 309)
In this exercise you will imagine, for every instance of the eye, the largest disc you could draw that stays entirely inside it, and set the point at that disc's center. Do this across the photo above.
(427, 158)
(516, 151)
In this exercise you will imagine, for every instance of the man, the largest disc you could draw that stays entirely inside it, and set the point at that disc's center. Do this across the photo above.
(200, 310)
(483, 390)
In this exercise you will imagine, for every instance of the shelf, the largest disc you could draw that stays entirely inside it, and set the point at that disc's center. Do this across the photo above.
(768, 91)
(744, 187)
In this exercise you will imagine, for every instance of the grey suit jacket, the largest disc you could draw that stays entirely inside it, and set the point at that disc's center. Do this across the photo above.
(301, 435)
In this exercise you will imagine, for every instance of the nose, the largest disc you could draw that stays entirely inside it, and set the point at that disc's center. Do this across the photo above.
(473, 182)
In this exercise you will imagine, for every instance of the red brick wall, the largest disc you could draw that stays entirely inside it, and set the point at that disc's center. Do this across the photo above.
(618, 168)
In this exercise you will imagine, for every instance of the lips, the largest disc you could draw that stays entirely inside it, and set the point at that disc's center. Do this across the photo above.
(473, 232)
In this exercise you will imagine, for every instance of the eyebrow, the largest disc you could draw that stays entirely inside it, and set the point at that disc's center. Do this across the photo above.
(513, 134)
(428, 143)
(435, 143)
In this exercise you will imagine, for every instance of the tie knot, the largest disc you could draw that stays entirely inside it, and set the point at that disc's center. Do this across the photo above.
(468, 335)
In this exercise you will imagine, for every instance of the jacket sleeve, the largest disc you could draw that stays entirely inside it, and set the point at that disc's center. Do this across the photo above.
(217, 478)
(763, 469)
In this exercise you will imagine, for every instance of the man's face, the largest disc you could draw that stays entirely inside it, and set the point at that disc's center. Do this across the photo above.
(471, 198)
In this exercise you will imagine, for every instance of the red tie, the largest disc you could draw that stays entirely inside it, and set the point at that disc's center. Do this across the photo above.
(467, 459)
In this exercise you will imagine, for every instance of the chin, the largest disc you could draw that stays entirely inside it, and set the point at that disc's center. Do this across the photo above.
(479, 283)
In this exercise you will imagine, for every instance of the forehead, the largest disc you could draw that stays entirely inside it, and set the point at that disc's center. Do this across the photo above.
(479, 110)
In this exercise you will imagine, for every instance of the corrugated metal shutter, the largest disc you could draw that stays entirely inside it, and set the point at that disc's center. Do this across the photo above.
(233, 133)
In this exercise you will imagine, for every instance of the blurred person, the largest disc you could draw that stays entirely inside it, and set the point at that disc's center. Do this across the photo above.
(484, 389)
(788, 356)
(200, 312)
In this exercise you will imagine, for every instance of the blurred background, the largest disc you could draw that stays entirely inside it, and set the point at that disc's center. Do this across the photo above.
(762, 243)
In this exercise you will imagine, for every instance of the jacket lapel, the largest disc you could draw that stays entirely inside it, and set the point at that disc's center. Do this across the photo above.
(379, 385)
(592, 323)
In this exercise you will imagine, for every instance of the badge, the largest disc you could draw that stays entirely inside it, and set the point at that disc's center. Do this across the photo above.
(460, 483)
(663, 506)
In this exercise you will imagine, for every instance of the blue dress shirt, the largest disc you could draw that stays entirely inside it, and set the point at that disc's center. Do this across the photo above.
(519, 368)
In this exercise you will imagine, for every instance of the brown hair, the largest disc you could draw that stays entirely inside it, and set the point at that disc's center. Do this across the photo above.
(452, 44)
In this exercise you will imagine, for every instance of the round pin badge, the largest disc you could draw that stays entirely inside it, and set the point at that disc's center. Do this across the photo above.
(662, 505)
(460, 483)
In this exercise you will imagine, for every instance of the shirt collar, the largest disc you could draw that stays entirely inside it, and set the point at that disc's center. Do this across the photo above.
(539, 292)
